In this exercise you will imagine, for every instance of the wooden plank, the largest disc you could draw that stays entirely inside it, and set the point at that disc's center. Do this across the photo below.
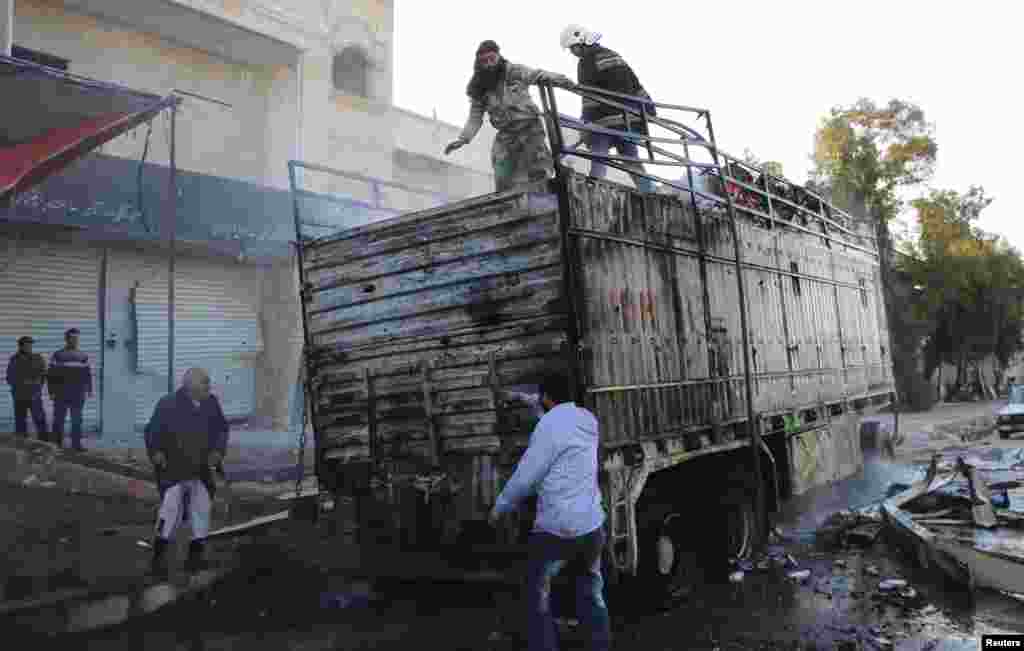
(475, 239)
(249, 526)
(455, 313)
(446, 379)
(537, 255)
(468, 294)
(446, 221)
(523, 338)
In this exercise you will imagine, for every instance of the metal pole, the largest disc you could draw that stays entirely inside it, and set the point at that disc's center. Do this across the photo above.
(307, 341)
(753, 425)
(570, 263)
(172, 216)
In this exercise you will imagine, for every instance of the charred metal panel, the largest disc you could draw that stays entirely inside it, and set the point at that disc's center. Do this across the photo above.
(417, 322)
(802, 295)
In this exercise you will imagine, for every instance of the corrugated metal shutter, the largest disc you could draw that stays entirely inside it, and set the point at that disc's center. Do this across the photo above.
(216, 326)
(46, 288)
(149, 305)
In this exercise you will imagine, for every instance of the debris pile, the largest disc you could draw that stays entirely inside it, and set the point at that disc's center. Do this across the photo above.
(849, 528)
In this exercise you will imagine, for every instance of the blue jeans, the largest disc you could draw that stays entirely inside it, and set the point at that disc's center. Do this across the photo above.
(548, 556)
(601, 143)
(61, 407)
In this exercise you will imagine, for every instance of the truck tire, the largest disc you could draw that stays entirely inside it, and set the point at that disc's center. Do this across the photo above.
(670, 566)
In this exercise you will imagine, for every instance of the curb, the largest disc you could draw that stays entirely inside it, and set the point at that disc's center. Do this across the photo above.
(79, 611)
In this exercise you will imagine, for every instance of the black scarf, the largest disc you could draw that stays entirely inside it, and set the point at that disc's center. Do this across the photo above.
(486, 79)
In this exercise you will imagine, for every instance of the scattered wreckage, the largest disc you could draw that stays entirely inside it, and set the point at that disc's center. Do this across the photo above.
(966, 517)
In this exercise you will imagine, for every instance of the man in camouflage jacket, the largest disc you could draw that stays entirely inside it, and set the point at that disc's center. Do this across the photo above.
(501, 89)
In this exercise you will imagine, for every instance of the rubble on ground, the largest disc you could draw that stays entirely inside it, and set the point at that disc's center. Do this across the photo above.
(845, 528)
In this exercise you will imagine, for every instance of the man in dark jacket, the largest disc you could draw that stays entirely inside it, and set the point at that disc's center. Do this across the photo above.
(605, 69)
(70, 381)
(26, 373)
(186, 440)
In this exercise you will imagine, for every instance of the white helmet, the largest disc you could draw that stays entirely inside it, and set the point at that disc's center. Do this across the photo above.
(578, 35)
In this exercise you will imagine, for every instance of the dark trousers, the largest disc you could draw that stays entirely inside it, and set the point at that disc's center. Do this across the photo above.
(548, 556)
(61, 407)
(21, 409)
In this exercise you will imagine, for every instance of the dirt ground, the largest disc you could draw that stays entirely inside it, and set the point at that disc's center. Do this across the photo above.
(280, 602)
(71, 521)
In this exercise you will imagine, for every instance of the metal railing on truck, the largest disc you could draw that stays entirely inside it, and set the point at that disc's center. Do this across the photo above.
(772, 200)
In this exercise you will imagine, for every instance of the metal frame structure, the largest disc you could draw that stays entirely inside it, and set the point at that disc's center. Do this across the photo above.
(726, 167)
(769, 202)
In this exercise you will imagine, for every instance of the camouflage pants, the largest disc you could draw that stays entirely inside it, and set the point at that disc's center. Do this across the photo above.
(520, 155)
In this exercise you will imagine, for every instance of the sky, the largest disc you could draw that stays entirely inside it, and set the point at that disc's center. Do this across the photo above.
(768, 72)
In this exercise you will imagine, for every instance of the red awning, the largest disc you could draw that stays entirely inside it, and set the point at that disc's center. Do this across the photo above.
(52, 118)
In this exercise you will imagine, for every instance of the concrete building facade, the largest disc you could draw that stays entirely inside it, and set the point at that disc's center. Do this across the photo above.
(261, 83)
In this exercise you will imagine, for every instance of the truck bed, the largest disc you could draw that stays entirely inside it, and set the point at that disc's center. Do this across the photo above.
(416, 322)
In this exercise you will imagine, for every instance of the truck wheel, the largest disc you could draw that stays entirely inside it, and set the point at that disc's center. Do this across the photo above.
(669, 566)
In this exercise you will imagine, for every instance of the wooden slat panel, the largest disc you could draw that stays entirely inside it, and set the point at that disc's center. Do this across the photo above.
(433, 279)
(448, 288)
(538, 294)
(523, 232)
(430, 225)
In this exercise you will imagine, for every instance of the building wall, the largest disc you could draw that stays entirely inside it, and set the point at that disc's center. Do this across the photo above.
(419, 158)
(212, 139)
(282, 325)
(281, 102)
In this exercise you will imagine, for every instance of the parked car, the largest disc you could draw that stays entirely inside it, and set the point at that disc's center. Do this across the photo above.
(1011, 417)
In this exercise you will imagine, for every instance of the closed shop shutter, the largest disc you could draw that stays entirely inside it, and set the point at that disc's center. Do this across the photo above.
(216, 326)
(149, 311)
(46, 288)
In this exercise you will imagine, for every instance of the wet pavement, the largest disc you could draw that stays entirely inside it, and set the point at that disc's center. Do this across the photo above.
(281, 604)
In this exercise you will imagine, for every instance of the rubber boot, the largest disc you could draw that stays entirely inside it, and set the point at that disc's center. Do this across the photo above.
(196, 561)
(158, 567)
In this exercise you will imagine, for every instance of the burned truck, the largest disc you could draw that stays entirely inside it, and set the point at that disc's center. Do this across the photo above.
(726, 331)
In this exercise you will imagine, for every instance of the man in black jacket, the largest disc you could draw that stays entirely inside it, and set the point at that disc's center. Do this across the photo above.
(605, 69)
(186, 439)
(26, 373)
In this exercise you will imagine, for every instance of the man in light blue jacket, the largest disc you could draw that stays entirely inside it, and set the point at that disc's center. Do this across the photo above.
(560, 466)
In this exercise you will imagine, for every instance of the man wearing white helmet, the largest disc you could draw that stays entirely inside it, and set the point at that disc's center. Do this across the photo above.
(604, 68)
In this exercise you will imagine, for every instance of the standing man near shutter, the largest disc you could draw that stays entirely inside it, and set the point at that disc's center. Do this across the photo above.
(26, 373)
(70, 385)
(606, 69)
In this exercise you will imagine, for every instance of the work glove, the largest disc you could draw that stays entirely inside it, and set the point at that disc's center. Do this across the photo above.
(453, 145)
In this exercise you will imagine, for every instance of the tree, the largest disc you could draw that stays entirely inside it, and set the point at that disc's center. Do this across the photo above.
(972, 283)
(864, 155)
